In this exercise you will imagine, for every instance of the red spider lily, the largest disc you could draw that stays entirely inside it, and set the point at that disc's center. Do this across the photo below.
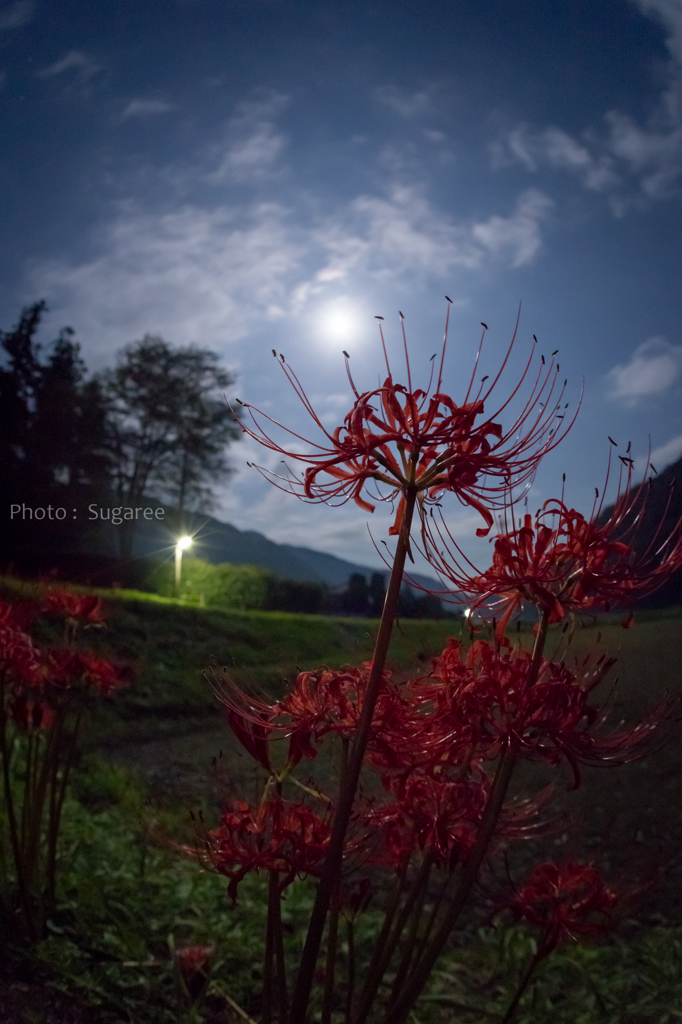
(564, 901)
(330, 700)
(73, 606)
(441, 812)
(407, 438)
(250, 715)
(193, 959)
(64, 669)
(322, 701)
(19, 615)
(278, 836)
(253, 736)
(19, 658)
(571, 565)
(434, 813)
(484, 696)
(193, 966)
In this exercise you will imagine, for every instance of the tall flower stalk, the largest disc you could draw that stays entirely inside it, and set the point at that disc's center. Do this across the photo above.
(42, 698)
(444, 746)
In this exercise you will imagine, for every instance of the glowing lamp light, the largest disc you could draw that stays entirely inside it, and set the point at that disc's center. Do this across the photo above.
(182, 544)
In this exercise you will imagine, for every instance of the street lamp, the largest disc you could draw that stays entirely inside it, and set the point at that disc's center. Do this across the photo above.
(182, 544)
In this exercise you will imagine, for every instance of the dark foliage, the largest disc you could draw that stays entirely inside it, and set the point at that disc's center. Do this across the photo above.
(294, 596)
(52, 440)
(168, 426)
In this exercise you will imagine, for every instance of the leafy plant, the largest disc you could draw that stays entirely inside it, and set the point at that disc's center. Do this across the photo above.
(436, 755)
(42, 697)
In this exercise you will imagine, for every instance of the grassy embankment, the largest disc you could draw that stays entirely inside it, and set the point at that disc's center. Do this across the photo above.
(121, 898)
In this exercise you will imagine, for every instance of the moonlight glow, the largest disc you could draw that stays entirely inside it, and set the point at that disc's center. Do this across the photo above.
(338, 322)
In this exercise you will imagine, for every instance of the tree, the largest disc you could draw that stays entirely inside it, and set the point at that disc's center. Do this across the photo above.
(70, 418)
(51, 435)
(169, 425)
(377, 595)
(357, 595)
(18, 383)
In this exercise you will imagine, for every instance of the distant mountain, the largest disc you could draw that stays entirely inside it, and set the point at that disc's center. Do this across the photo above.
(217, 542)
(662, 512)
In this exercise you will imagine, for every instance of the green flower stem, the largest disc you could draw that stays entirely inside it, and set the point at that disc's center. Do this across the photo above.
(36, 796)
(7, 750)
(411, 939)
(386, 944)
(350, 991)
(332, 866)
(472, 865)
(383, 937)
(330, 966)
(273, 965)
(57, 795)
(523, 985)
(268, 961)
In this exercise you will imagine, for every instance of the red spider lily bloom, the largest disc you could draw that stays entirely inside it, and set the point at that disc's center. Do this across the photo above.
(193, 959)
(564, 901)
(193, 964)
(433, 813)
(561, 561)
(322, 701)
(253, 720)
(411, 439)
(19, 614)
(64, 669)
(73, 606)
(483, 694)
(253, 736)
(19, 658)
(278, 836)
(330, 701)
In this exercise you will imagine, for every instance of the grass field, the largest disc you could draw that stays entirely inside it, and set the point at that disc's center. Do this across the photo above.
(148, 752)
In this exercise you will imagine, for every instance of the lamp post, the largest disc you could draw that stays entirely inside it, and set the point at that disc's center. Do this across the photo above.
(182, 544)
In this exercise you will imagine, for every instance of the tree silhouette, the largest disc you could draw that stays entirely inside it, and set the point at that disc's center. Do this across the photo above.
(356, 600)
(51, 437)
(169, 426)
(376, 595)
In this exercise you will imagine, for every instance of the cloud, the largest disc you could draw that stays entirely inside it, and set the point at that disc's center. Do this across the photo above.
(74, 59)
(210, 275)
(653, 155)
(633, 164)
(401, 101)
(662, 456)
(670, 13)
(518, 235)
(253, 143)
(192, 275)
(653, 368)
(402, 233)
(556, 148)
(16, 15)
(630, 164)
(145, 108)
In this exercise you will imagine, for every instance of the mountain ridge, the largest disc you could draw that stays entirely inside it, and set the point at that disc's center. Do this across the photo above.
(216, 542)
(660, 516)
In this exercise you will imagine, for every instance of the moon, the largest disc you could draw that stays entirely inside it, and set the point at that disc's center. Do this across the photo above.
(338, 321)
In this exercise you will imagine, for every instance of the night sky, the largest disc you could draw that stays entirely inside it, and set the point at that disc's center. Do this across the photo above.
(255, 174)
